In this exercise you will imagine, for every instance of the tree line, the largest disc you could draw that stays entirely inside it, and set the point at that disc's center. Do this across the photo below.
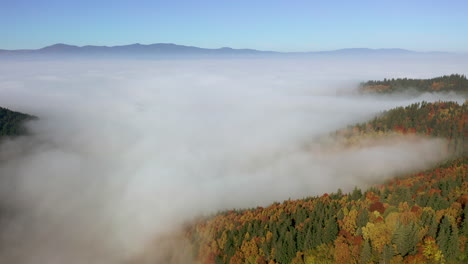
(11, 122)
(417, 218)
(454, 82)
(439, 119)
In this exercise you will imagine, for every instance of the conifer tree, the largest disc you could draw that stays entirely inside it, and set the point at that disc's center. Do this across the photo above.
(387, 255)
(465, 222)
(443, 235)
(330, 231)
(366, 254)
(453, 242)
(405, 238)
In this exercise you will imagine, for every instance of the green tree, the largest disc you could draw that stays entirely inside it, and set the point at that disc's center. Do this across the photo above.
(443, 235)
(405, 238)
(330, 231)
(366, 254)
(387, 254)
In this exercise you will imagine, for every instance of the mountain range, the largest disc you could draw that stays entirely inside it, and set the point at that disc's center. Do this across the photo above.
(174, 50)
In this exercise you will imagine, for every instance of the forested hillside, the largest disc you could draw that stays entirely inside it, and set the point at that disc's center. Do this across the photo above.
(11, 122)
(440, 119)
(455, 82)
(418, 218)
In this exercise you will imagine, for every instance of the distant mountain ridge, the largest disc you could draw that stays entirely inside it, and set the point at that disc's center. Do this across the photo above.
(157, 48)
(170, 49)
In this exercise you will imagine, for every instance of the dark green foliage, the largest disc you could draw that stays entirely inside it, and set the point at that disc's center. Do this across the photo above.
(219, 259)
(448, 238)
(406, 238)
(455, 82)
(437, 202)
(330, 231)
(441, 119)
(387, 254)
(465, 222)
(11, 123)
(428, 219)
(362, 218)
(356, 194)
(366, 254)
(286, 249)
(401, 194)
(443, 235)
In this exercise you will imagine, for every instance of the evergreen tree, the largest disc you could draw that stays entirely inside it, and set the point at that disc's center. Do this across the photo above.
(309, 240)
(405, 238)
(330, 231)
(366, 254)
(387, 254)
(465, 222)
(356, 194)
(428, 218)
(443, 235)
(11, 122)
(453, 242)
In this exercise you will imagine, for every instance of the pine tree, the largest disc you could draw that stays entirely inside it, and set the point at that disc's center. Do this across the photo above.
(405, 238)
(356, 194)
(330, 231)
(453, 242)
(428, 219)
(300, 239)
(443, 235)
(308, 240)
(362, 219)
(387, 254)
(465, 222)
(366, 254)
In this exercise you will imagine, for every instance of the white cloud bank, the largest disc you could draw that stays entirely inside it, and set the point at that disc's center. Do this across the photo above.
(125, 150)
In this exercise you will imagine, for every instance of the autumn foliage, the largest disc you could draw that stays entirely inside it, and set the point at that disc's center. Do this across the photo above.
(417, 218)
(446, 83)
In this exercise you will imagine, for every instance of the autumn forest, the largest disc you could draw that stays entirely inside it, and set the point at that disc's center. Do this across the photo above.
(417, 218)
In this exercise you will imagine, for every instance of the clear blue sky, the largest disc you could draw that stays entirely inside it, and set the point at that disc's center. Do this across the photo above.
(282, 25)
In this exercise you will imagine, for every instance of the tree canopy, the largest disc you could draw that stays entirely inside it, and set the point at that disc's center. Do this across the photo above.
(11, 122)
(454, 82)
(416, 218)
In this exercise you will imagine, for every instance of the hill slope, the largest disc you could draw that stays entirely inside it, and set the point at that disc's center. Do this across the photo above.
(441, 119)
(418, 218)
(11, 122)
(454, 82)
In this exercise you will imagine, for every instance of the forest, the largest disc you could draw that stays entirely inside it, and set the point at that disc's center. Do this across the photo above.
(440, 119)
(454, 82)
(416, 218)
(11, 122)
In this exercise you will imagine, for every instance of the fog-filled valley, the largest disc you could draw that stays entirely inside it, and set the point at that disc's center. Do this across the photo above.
(127, 150)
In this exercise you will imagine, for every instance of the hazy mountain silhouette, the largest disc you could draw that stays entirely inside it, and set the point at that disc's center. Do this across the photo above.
(171, 50)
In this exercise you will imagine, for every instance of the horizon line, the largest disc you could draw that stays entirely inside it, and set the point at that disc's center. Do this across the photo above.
(227, 47)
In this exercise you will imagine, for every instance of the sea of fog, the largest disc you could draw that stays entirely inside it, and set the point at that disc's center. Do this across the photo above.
(125, 150)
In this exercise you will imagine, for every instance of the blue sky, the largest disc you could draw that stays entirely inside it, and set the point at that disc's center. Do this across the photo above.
(282, 25)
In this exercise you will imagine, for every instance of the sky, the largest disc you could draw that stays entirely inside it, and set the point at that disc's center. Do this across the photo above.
(280, 25)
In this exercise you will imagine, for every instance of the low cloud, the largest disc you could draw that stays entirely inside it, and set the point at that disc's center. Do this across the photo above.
(127, 150)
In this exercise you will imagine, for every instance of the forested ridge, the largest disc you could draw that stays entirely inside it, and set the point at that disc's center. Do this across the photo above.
(439, 119)
(11, 122)
(417, 218)
(454, 82)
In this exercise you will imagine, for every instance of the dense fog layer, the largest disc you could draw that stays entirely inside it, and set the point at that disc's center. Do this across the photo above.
(125, 150)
